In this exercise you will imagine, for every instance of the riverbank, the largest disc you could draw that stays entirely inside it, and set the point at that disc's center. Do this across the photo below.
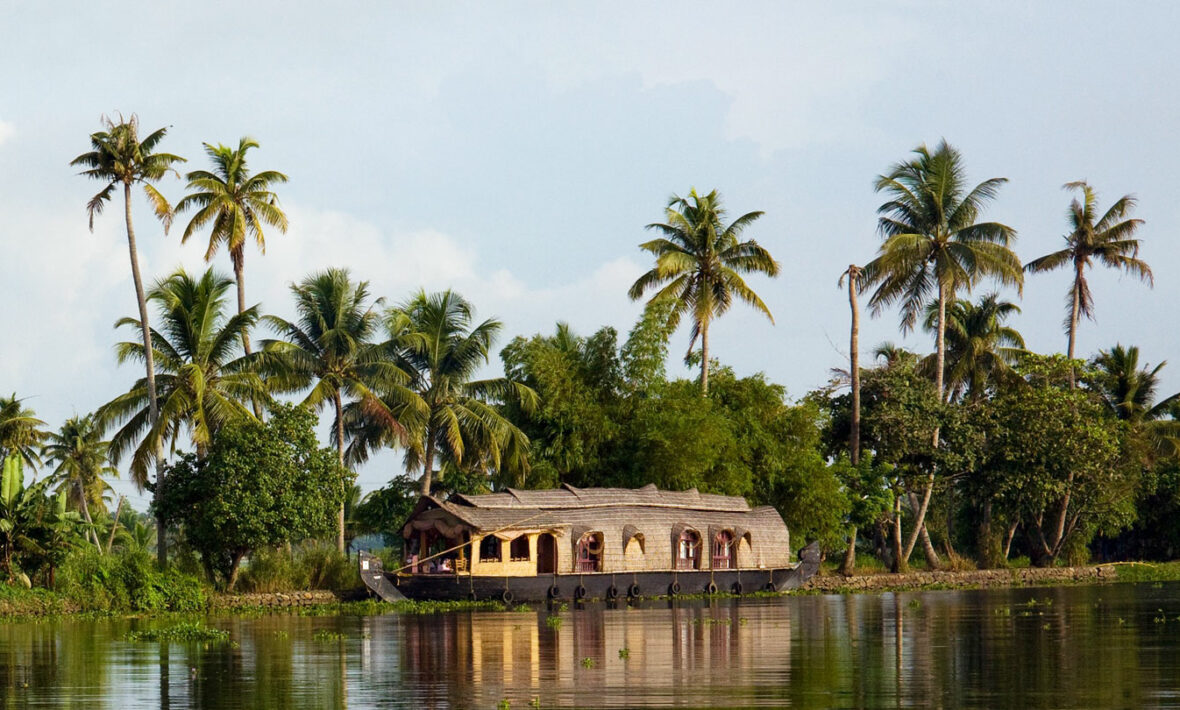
(993, 578)
(20, 602)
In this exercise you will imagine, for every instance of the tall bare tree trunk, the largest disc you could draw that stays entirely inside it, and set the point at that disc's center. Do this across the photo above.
(705, 358)
(149, 362)
(1008, 539)
(340, 460)
(854, 366)
(1062, 514)
(239, 260)
(920, 519)
(899, 562)
(848, 566)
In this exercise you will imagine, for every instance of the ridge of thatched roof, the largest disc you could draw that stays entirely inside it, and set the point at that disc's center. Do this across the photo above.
(570, 497)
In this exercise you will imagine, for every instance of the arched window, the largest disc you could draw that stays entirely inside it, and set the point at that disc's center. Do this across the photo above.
(724, 551)
(688, 550)
(589, 553)
(518, 550)
(489, 549)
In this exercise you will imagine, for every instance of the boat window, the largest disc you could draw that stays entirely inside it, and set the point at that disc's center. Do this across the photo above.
(589, 553)
(518, 550)
(688, 550)
(723, 551)
(489, 549)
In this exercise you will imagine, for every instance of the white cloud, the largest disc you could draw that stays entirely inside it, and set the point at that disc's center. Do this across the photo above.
(397, 263)
(7, 131)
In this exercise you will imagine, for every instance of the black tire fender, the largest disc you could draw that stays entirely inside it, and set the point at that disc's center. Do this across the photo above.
(674, 588)
(580, 592)
(633, 590)
(612, 592)
(507, 596)
(554, 591)
(711, 588)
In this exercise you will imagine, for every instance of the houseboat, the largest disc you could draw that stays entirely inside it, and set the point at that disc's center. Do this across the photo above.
(589, 543)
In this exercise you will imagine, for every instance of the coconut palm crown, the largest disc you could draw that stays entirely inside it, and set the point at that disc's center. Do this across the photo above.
(82, 459)
(1108, 239)
(1130, 392)
(203, 378)
(235, 205)
(980, 348)
(699, 265)
(934, 246)
(21, 432)
(437, 340)
(330, 349)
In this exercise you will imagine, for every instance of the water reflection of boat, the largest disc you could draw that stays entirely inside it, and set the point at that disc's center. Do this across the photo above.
(576, 543)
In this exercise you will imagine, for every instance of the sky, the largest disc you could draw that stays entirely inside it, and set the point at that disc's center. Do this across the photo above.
(514, 151)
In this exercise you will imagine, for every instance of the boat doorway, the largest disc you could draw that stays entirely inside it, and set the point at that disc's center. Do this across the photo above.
(546, 554)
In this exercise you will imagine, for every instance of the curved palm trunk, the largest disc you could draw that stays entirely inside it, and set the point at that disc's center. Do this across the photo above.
(919, 530)
(340, 460)
(93, 534)
(239, 261)
(705, 358)
(149, 366)
(114, 525)
(428, 464)
(1075, 310)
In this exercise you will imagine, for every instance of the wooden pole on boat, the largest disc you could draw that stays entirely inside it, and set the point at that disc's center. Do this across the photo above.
(462, 545)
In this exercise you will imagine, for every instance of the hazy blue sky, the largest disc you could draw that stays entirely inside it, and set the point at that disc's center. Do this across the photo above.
(514, 151)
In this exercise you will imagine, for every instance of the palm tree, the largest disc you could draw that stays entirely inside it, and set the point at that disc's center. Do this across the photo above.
(934, 247)
(203, 379)
(853, 274)
(1130, 394)
(1109, 239)
(980, 348)
(893, 354)
(21, 431)
(82, 459)
(330, 348)
(438, 343)
(117, 157)
(699, 262)
(237, 205)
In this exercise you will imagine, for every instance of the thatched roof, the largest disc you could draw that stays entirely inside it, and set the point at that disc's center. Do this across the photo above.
(570, 512)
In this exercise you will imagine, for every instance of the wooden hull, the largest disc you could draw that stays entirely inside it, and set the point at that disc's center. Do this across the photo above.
(599, 585)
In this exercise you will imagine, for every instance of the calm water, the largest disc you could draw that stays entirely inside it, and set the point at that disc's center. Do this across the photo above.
(1110, 646)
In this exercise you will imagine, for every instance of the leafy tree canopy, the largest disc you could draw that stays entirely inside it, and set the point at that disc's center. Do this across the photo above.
(260, 484)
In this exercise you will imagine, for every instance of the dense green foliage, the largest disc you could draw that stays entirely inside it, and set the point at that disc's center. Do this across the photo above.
(259, 485)
(596, 426)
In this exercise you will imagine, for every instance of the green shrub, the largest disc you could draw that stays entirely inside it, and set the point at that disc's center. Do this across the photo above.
(308, 567)
(328, 569)
(127, 582)
(271, 570)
